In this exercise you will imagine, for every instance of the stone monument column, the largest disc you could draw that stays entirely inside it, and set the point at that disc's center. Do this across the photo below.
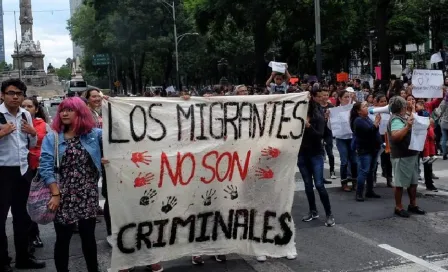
(26, 18)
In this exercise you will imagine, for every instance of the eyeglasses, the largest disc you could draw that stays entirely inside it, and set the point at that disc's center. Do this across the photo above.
(12, 93)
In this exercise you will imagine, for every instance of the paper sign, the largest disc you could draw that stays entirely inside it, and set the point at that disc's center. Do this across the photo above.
(340, 120)
(427, 83)
(204, 176)
(419, 132)
(279, 67)
(385, 117)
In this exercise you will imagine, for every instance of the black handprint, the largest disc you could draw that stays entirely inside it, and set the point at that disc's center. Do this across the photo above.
(232, 191)
(147, 197)
(208, 197)
(170, 204)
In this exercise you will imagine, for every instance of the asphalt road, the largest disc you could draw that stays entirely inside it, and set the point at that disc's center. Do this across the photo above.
(367, 236)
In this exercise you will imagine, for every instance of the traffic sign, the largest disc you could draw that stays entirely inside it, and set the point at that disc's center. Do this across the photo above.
(101, 60)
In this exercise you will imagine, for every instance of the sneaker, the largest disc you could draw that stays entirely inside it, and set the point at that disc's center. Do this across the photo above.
(434, 176)
(432, 188)
(402, 213)
(291, 256)
(261, 259)
(416, 210)
(37, 242)
(333, 175)
(327, 181)
(197, 260)
(425, 159)
(330, 221)
(220, 258)
(110, 240)
(432, 159)
(310, 216)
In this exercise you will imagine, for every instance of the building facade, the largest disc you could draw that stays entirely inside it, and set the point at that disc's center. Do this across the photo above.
(2, 34)
(74, 5)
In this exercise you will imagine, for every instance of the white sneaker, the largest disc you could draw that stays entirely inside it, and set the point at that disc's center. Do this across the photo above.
(110, 241)
(261, 259)
(291, 256)
(333, 175)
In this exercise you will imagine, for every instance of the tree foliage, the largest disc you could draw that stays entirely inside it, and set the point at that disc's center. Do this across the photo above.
(138, 35)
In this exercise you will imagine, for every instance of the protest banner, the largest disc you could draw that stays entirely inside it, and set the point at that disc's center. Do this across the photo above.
(205, 176)
(427, 83)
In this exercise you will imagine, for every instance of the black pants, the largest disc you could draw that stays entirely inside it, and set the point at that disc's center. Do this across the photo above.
(427, 173)
(107, 218)
(61, 248)
(438, 133)
(14, 189)
(386, 164)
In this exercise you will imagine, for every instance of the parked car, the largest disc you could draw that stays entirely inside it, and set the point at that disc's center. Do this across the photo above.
(55, 100)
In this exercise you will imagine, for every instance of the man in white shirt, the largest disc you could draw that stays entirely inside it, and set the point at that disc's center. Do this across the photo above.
(17, 134)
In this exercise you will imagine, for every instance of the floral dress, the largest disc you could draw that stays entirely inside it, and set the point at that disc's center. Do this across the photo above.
(78, 183)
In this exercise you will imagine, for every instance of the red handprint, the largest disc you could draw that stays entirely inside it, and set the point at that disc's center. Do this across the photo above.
(264, 173)
(270, 152)
(141, 181)
(140, 157)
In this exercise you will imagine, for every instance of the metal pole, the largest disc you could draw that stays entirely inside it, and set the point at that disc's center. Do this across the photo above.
(318, 39)
(371, 55)
(177, 52)
(17, 47)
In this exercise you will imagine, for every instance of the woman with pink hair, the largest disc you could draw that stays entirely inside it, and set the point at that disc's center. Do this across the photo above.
(75, 193)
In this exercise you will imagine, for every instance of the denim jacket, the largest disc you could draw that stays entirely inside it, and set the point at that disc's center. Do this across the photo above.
(90, 141)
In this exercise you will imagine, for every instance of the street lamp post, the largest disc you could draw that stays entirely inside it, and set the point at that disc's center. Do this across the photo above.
(318, 39)
(177, 39)
(371, 35)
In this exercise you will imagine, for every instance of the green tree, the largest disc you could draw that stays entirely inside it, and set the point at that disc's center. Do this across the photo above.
(64, 72)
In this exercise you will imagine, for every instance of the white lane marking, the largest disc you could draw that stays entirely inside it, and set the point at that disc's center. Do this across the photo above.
(412, 258)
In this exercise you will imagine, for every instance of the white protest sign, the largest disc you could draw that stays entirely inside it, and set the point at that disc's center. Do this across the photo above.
(340, 120)
(427, 83)
(279, 67)
(419, 132)
(204, 176)
(385, 117)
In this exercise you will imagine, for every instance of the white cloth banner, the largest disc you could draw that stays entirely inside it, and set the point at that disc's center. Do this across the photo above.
(419, 132)
(279, 67)
(204, 176)
(340, 120)
(427, 83)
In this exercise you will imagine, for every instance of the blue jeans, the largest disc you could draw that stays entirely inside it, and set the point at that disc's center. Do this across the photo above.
(366, 170)
(444, 140)
(313, 167)
(347, 154)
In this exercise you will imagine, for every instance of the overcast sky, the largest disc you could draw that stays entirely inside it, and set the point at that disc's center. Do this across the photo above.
(49, 29)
